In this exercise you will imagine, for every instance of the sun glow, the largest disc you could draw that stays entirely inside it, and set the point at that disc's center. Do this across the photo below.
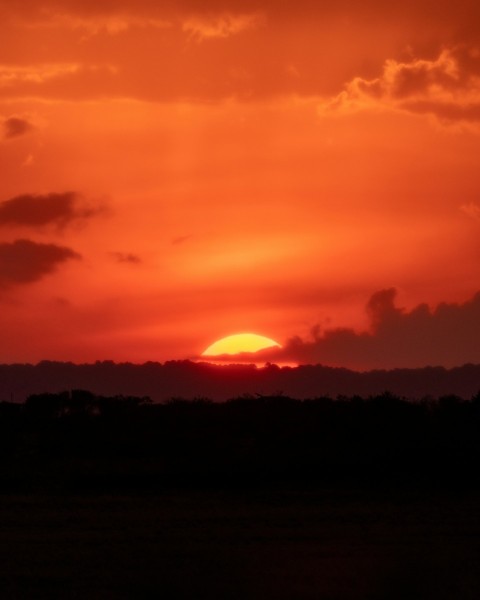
(240, 342)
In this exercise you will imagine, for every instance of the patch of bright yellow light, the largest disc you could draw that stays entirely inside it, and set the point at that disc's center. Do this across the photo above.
(240, 342)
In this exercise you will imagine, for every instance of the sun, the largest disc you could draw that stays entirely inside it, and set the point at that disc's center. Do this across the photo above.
(240, 342)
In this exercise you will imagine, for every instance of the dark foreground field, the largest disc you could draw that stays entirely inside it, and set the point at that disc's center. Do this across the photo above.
(258, 498)
(257, 544)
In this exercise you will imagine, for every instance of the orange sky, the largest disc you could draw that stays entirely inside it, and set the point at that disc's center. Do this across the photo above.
(181, 171)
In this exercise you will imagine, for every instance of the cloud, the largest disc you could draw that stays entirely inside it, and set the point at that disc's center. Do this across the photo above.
(447, 87)
(199, 22)
(126, 257)
(50, 209)
(13, 74)
(447, 336)
(202, 28)
(304, 48)
(181, 239)
(110, 24)
(63, 80)
(16, 126)
(24, 261)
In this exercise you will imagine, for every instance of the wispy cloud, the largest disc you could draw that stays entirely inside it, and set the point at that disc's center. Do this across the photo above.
(202, 28)
(108, 24)
(447, 87)
(64, 79)
(12, 74)
(472, 210)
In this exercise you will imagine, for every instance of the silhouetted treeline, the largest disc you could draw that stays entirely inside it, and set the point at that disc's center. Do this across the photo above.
(219, 382)
(78, 439)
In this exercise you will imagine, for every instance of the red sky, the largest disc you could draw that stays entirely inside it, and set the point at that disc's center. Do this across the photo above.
(174, 172)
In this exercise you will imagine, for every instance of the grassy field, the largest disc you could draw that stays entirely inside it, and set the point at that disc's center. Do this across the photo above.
(239, 544)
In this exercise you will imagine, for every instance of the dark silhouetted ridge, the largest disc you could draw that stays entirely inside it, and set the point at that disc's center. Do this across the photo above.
(219, 382)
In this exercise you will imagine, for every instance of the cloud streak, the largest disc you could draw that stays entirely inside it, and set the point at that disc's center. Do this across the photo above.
(14, 74)
(24, 261)
(109, 24)
(31, 210)
(61, 80)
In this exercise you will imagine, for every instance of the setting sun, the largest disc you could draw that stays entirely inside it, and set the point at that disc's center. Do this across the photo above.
(173, 172)
(240, 342)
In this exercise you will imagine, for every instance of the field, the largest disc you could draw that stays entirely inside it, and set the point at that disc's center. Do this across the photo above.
(242, 544)
(255, 499)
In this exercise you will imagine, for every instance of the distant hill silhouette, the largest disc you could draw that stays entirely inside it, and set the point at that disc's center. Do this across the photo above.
(186, 379)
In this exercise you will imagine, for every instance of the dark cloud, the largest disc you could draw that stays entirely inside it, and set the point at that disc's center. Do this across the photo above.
(24, 261)
(181, 239)
(447, 336)
(126, 257)
(16, 127)
(50, 209)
